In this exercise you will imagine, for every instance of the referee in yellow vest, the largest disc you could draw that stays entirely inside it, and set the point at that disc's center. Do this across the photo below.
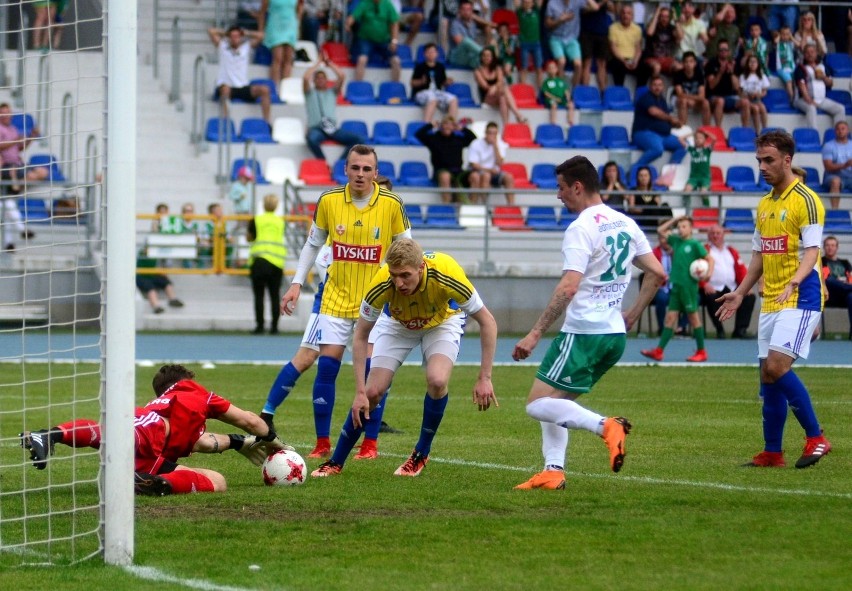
(266, 260)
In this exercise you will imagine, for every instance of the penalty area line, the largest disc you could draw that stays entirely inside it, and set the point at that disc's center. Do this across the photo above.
(149, 573)
(642, 479)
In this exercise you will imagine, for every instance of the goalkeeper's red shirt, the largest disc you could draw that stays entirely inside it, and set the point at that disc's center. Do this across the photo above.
(187, 405)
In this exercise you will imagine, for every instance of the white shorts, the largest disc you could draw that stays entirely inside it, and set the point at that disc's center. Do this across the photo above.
(788, 331)
(309, 338)
(394, 342)
(443, 97)
(332, 330)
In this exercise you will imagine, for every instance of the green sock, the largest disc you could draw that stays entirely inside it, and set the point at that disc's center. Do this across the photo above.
(667, 335)
(699, 336)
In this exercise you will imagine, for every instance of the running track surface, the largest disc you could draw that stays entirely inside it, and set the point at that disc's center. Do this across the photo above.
(265, 349)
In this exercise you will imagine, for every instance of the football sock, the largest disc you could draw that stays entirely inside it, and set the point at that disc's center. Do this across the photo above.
(667, 335)
(433, 412)
(774, 416)
(349, 436)
(327, 370)
(188, 481)
(371, 427)
(565, 413)
(699, 337)
(800, 402)
(287, 378)
(554, 442)
(79, 433)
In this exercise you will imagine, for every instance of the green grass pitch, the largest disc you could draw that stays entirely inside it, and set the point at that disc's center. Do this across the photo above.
(682, 514)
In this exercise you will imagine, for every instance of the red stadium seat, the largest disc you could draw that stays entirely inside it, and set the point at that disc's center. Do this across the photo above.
(518, 135)
(525, 96)
(315, 171)
(508, 217)
(306, 209)
(717, 180)
(338, 53)
(721, 143)
(704, 217)
(519, 172)
(504, 15)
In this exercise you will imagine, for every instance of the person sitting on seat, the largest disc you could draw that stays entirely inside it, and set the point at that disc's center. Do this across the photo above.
(838, 278)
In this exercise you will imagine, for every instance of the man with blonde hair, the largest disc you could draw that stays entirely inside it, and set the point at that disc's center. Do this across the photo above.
(428, 297)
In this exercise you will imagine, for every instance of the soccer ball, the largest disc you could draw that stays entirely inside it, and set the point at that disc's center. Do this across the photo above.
(698, 269)
(284, 468)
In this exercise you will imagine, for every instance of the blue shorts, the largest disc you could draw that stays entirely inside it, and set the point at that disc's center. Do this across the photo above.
(785, 74)
(531, 49)
(371, 48)
(565, 49)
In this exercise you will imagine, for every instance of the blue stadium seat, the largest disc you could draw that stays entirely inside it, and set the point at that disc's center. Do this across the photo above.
(837, 221)
(49, 161)
(742, 139)
(777, 101)
(566, 217)
(256, 130)
(828, 135)
(414, 174)
(639, 92)
(739, 220)
(33, 210)
(387, 133)
(840, 63)
(355, 126)
(415, 215)
(548, 135)
(386, 168)
(807, 140)
(614, 137)
(273, 89)
(215, 125)
(544, 176)
(542, 218)
(338, 173)
(463, 93)
(406, 59)
(587, 97)
(410, 129)
(360, 92)
(442, 216)
(617, 98)
(393, 93)
(582, 136)
(262, 55)
(843, 97)
(253, 165)
(24, 123)
(811, 177)
(442, 58)
(741, 178)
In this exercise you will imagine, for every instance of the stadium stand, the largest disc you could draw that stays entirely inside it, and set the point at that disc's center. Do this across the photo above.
(253, 165)
(721, 144)
(504, 15)
(704, 217)
(525, 96)
(443, 216)
(33, 210)
(415, 215)
(463, 93)
(280, 169)
(519, 172)
(843, 97)
(587, 98)
(508, 217)
(355, 126)
(387, 133)
(273, 91)
(548, 135)
(406, 58)
(392, 93)
(442, 57)
(542, 218)
(338, 53)
(582, 136)
(50, 162)
(615, 137)
(777, 101)
(838, 221)
(518, 135)
(217, 128)
(23, 122)
(617, 98)
(741, 178)
(739, 220)
(338, 172)
(314, 171)
(414, 173)
(410, 129)
(360, 92)
(807, 140)
(717, 180)
(291, 92)
(543, 176)
(741, 139)
(256, 130)
(840, 64)
(386, 168)
(289, 131)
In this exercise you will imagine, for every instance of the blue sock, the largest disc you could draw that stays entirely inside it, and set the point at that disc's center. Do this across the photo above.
(327, 370)
(433, 412)
(371, 428)
(349, 436)
(774, 416)
(287, 378)
(800, 402)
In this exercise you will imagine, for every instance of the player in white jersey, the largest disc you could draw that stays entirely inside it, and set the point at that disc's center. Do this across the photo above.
(598, 250)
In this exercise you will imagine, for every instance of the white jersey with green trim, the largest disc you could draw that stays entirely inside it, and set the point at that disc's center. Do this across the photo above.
(600, 244)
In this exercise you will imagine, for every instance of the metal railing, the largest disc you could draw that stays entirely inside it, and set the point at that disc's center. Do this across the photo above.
(68, 129)
(177, 54)
(43, 92)
(199, 105)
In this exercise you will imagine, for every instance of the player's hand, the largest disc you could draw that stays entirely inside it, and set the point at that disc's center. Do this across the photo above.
(483, 394)
(290, 299)
(785, 295)
(252, 452)
(270, 444)
(708, 289)
(524, 347)
(730, 302)
(361, 405)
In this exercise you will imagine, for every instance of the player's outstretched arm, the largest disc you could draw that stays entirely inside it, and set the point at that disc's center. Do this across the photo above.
(732, 300)
(483, 390)
(264, 438)
(562, 296)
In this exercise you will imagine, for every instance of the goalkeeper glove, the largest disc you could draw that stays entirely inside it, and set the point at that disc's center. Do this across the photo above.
(271, 443)
(246, 445)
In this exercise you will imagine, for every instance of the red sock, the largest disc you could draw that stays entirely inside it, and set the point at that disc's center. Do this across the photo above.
(81, 433)
(188, 481)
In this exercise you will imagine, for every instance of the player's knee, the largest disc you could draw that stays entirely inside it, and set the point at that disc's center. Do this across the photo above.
(436, 384)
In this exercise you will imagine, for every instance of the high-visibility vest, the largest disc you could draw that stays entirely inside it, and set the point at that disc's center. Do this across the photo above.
(269, 240)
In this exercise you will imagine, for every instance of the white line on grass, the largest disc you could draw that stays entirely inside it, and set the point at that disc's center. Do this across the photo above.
(149, 573)
(642, 479)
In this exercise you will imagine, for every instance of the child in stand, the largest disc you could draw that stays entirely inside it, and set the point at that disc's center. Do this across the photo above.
(556, 94)
(785, 58)
(507, 46)
(242, 190)
(529, 38)
(699, 163)
(754, 83)
(756, 45)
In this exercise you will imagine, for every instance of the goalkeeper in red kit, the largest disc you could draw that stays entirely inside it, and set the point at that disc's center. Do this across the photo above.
(170, 427)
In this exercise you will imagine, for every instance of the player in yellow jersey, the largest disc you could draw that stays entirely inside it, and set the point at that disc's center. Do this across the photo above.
(361, 220)
(789, 222)
(420, 290)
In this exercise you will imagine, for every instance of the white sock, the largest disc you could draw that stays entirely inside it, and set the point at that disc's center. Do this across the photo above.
(565, 413)
(554, 441)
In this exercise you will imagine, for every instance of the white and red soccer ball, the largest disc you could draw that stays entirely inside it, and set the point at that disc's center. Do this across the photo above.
(284, 468)
(698, 269)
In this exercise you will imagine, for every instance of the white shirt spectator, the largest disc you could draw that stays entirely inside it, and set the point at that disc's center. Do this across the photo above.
(233, 64)
(482, 153)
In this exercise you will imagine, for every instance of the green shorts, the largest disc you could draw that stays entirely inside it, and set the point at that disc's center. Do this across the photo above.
(699, 182)
(684, 298)
(575, 362)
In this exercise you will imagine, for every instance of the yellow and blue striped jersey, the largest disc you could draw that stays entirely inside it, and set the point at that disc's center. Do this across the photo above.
(359, 239)
(779, 237)
(443, 280)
